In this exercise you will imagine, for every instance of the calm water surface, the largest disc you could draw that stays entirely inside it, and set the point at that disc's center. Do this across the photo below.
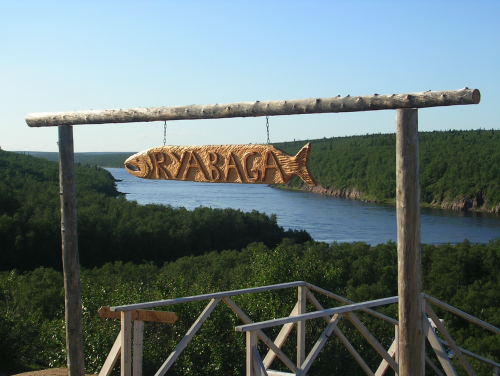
(326, 218)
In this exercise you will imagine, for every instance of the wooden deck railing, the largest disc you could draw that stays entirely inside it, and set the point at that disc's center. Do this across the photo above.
(256, 365)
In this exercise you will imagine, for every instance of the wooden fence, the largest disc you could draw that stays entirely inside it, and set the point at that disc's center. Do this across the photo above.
(256, 365)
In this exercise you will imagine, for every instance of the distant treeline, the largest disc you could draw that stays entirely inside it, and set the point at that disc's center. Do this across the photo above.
(458, 169)
(93, 159)
(465, 276)
(110, 228)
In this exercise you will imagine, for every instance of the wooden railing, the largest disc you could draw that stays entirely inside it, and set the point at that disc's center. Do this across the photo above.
(256, 365)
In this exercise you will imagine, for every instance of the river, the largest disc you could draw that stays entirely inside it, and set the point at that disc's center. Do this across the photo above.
(326, 218)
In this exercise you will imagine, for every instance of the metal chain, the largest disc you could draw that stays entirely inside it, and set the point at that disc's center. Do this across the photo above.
(165, 133)
(267, 126)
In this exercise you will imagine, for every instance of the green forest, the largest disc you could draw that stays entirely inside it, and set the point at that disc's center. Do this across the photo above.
(133, 253)
(110, 228)
(458, 169)
(32, 304)
(460, 166)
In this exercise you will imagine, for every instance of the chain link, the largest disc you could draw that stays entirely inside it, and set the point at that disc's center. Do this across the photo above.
(267, 126)
(165, 133)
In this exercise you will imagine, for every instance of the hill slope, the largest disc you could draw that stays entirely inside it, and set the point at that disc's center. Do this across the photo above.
(111, 228)
(458, 169)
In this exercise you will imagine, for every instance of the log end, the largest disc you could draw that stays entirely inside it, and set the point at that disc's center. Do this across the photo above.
(476, 96)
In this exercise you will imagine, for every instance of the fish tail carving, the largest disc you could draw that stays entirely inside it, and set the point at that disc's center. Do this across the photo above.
(300, 160)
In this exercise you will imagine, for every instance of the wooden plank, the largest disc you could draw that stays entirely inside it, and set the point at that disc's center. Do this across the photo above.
(280, 340)
(70, 260)
(271, 372)
(258, 108)
(301, 326)
(460, 313)
(251, 342)
(438, 349)
(353, 352)
(273, 348)
(347, 301)
(138, 337)
(126, 344)
(371, 339)
(189, 335)
(433, 366)
(449, 339)
(496, 371)
(315, 315)
(140, 315)
(384, 365)
(198, 298)
(319, 344)
(112, 357)
(411, 339)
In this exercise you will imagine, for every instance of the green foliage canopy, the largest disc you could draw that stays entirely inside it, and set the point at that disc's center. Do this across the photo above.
(453, 164)
(110, 228)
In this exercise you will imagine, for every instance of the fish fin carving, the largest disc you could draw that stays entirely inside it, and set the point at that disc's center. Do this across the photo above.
(301, 158)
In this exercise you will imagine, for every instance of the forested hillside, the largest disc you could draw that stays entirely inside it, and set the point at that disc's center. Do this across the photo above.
(110, 228)
(465, 275)
(97, 159)
(458, 169)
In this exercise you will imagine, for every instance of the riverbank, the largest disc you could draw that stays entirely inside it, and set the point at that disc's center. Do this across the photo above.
(460, 203)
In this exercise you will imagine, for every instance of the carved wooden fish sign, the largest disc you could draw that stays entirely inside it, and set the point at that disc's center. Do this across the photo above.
(250, 164)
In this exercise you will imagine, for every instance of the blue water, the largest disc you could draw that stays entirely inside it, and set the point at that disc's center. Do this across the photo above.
(326, 218)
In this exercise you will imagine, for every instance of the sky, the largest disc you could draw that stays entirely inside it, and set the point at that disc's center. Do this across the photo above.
(81, 55)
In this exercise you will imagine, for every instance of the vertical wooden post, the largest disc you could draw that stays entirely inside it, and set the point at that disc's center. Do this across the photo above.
(138, 337)
(71, 266)
(301, 326)
(126, 345)
(411, 338)
(251, 343)
(396, 338)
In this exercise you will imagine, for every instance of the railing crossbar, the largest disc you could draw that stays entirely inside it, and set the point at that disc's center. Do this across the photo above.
(216, 295)
(472, 355)
(347, 301)
(460, 313)
(317, 314)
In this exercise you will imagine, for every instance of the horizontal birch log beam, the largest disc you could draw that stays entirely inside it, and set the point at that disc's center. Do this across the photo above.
(257, 108)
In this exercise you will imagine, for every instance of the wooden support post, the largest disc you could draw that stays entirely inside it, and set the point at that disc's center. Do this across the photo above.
(126, 345)
(396, 340)
(251, 343)
(301, 326)
(71, 266)
(138, 337)
(411, 338)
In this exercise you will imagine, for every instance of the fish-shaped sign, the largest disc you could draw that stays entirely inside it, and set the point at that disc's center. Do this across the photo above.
(250, 164)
